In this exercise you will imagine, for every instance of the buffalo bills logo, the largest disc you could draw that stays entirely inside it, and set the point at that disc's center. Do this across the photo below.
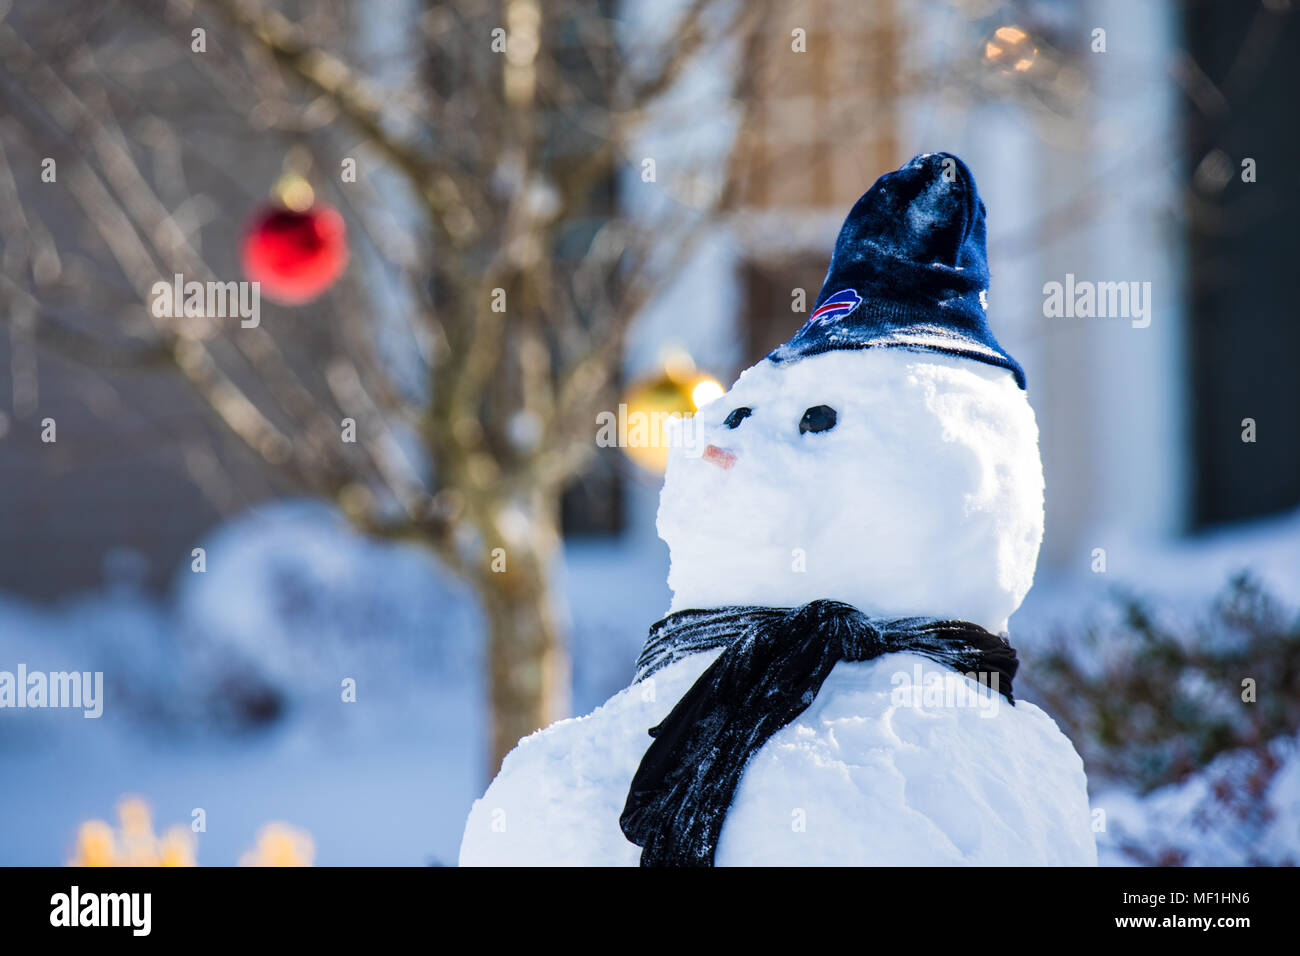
(836, 307)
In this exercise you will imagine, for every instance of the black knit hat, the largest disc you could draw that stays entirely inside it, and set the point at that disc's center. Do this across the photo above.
(909, 270)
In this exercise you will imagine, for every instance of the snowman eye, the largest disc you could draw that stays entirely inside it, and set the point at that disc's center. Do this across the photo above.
(819, 418)
(738, 415)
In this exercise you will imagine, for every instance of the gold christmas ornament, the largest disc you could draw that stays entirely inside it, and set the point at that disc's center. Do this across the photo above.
(678, 391)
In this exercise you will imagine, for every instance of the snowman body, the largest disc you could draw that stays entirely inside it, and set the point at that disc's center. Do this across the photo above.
(855, 781)
(905, 483)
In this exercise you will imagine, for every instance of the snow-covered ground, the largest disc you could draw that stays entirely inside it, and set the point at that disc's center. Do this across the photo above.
(293, 601)
(1188, 572)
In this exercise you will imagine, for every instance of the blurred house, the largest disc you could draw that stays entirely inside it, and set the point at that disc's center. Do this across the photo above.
(136, 475)
(1111, 156)
(138, 471)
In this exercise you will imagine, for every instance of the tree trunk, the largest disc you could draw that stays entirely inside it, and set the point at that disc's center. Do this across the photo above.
(528, 663)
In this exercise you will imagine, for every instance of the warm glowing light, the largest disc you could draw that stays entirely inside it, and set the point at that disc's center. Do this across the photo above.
(134, 842)
(1011, 50)
(705, 391)
(135, 817)
(279, 844)
(95, 845)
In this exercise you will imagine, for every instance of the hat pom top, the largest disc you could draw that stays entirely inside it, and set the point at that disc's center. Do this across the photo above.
(909, 270)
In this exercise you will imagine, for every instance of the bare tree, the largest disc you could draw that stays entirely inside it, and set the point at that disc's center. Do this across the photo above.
(502, 137)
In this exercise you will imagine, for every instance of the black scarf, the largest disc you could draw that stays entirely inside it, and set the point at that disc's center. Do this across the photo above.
(774, 664)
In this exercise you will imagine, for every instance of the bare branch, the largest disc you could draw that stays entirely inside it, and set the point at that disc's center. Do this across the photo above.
(329, 75)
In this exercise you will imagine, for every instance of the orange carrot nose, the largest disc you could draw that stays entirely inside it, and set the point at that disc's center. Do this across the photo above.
(719, 456)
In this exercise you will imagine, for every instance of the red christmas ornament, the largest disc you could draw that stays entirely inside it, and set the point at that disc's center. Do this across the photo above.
(295, 253)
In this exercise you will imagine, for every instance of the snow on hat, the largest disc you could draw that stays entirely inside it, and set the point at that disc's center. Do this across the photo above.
(909, 270)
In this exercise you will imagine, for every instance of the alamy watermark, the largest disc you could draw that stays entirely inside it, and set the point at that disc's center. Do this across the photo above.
(73, 689)
(638, 429)
(936, 689)
(132, 911)
(1085, 299)
(179, 299)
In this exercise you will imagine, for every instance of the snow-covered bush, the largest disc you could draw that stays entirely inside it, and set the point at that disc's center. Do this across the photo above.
(293, 602)
(287, 605)
(1186, 722)
(1150, 695)
(1241, 810)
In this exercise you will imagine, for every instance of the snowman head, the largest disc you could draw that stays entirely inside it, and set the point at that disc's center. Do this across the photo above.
(885, 456)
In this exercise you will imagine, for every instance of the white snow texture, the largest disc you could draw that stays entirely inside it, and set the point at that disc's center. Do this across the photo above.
(925, 498)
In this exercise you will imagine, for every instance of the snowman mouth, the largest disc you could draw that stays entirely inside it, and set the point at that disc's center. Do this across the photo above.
(721, 457)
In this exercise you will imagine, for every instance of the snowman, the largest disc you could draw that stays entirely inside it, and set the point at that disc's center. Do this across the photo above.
(850, 527)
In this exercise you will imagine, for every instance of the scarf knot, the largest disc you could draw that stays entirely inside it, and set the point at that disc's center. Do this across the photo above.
(773, 663)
